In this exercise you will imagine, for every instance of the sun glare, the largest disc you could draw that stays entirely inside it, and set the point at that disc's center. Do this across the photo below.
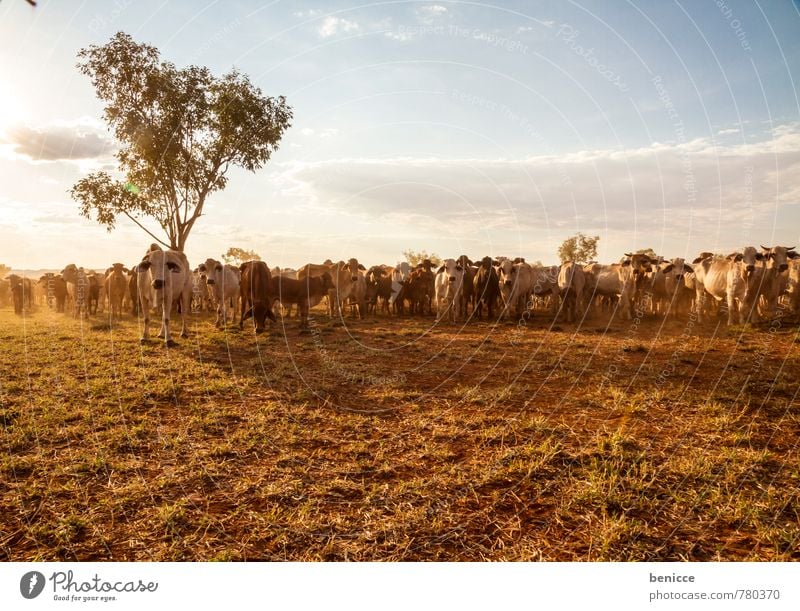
(12, 110)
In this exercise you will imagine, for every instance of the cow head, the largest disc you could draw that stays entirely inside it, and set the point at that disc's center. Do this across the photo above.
(157, 263)
(507, 272)
(327, 281)
(778, 257)
(640, 263)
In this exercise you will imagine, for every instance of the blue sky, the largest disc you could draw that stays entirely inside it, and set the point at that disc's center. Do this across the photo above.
(457, 127)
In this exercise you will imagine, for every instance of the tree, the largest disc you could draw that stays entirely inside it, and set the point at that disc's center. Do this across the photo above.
(237, 256)
(579, 248)
(4, 270)
(180, 131)
(415, 258)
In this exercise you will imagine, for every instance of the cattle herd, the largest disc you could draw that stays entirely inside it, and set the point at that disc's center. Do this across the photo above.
(747, 285)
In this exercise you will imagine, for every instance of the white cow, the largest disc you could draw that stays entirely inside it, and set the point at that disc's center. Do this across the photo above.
(223, 282)
(516, 285)
(678, 296)
(164, 279)
(736, 279)
(400, 274)
(776, 264)
(611, 282)
(448, 285)
(571, 285)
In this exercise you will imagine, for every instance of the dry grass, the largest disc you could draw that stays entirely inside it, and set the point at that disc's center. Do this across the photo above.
(391, 440)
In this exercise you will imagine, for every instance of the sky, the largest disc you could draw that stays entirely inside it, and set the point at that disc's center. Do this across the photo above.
(454, 127)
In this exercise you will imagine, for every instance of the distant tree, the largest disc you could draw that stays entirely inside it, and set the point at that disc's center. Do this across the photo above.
(579, 248)
(4, 270)
(237, 256)
(181, 130)
(414, 258)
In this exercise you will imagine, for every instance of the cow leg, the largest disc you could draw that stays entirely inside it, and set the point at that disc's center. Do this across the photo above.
(730, 300)
(186, 305)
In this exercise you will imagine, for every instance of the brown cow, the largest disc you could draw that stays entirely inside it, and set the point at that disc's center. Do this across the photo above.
(255, 289)
(115, 285)
(305, 293)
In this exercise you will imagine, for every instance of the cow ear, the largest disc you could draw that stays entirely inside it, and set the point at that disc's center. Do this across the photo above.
(202, 268)
(687, 269)
(143, 266)
(792, 255)
(361, 266)
(440, 270)
(668, 268)
(218, 267)
(626, 263)
(173, 267)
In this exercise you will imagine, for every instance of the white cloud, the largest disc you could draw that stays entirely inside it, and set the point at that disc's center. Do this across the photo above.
(82, 140)
(334, 25)
(667, 192)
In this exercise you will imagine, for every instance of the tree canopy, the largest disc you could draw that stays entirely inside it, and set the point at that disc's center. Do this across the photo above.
(180, 131)
(237, 256)
(579, 248)
(415, 258)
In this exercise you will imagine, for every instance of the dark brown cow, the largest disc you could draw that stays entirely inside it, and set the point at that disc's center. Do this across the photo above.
(305, 293)
(55, 290)
(467, 296)
(21, 292)
(94, 293)
(486, 287)
(133, 289)
(419, 290)
(379, 285)
(255, 289)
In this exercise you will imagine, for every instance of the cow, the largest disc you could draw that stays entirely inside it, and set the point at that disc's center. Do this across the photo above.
(544, 282)
(793, 285)
(516, 284)
(610, 283)
(343, 275)
(116, 285)
(735, 279)
(379, 286)
(133, 289)
(306, 292)
(5, 291)
(467, 296)
(77, 288)
(641, 265)
(55, 290)
(776, 264)
(93, 295)
(420, 289)
(164, 279)
(486, 287)
(256, 294)
(571, 285)
(223, 282)
(448, 283)
(21, 290)
(677, 295)
(400, 274)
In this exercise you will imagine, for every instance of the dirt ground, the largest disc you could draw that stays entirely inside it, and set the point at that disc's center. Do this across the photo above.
(395, 438)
